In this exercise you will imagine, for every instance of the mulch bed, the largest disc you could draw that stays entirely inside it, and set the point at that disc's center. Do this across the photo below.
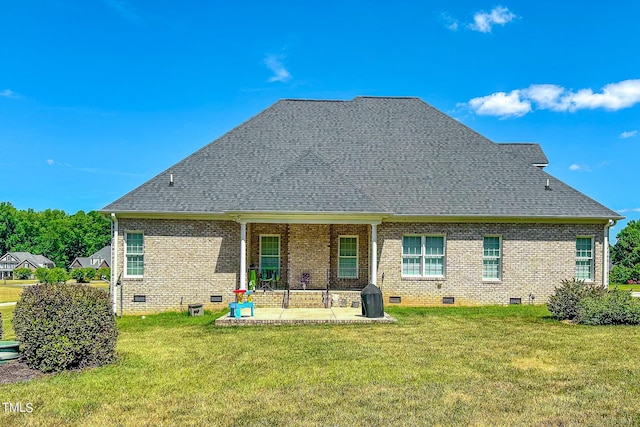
(16, 371)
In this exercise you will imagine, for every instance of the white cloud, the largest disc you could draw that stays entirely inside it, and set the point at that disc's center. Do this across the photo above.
(7, 93)
(613, 97)
(501, 104)
(280, 73)
(629, 134)
(629, 210)
(548, 97)
(50, 162)
(575, 167)
(449, 21)
(483, 21)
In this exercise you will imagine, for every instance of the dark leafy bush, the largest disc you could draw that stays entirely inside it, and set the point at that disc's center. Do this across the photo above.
(83, 275)
(563, 304)
(65, 326)
(22, 273)
(52, 275)
(617, 307)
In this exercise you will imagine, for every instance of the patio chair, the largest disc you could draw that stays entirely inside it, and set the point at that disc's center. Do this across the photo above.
(304, 280)
(266, 279)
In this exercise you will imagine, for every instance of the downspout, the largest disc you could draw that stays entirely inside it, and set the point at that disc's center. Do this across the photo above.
(605, 253)
(114, 261)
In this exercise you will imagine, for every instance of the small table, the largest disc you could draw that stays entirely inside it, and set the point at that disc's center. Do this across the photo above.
(236, 308)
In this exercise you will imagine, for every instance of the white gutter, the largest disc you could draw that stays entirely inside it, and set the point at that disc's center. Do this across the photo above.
(114, 261)
(605, 253)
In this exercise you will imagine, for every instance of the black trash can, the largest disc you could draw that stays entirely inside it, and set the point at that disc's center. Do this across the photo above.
(372, 304)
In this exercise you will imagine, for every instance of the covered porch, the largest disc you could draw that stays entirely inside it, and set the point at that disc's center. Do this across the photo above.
(308, 253)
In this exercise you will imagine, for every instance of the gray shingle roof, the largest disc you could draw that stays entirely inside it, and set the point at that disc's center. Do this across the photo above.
(394, 155)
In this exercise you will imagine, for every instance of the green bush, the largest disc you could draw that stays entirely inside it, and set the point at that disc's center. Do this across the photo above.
(620, 274)
(53, 275)
(83, 275)
(22, 273)
(104, 273)
(617, 307)
(563, 304)
(65, 326)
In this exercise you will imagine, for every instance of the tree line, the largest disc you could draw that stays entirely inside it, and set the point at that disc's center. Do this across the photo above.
(53, 233)
(626, 254)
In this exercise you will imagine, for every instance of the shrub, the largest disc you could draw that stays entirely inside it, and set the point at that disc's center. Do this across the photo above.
(620, 274)
(1, 326)
(83, 275)
(104, 273)
(22, 273)
(563, 304)
(65, 327)
(53, 275)
(617, 307)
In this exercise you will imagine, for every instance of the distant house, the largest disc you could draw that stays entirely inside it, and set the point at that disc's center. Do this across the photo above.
(333, 195)
(12, 260)
(100, 259)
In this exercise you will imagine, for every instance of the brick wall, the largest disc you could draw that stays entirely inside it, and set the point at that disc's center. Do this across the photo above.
(188, 261)
(309, 252)
(184, 262)
(535, 258)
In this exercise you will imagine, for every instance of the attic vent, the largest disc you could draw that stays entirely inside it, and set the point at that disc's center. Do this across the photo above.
(171, 180)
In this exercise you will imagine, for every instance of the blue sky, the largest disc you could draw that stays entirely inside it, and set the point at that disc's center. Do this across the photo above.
(98, 96)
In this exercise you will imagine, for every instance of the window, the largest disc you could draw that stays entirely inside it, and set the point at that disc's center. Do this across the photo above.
(269, 253)
(423, 256)
(348, 257)
(491, 258)
(584, 258)
(134, 253)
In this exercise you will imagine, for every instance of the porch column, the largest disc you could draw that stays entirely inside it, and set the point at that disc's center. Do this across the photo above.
(243, 255)
(374, 254)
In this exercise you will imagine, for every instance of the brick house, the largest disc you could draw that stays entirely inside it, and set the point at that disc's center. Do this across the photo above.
(100, 259)
(12, 260)
(387, 191)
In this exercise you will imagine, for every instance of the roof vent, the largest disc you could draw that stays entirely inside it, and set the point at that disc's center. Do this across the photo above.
(171, 180)
(547, 187)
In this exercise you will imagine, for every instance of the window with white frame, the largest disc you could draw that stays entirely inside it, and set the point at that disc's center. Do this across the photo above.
(269, 253)
(584, 258)
(423, 256)
(134, 253)
(491, 257)
(348, 257)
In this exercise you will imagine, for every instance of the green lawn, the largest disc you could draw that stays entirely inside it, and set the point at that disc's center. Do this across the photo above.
(625, 287)
(12, 290)
(449, 366)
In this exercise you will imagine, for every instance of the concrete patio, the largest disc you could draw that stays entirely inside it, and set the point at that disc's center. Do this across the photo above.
(292, 316)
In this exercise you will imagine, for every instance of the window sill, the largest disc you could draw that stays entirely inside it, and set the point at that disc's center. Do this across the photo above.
(491, 281)
(423, 278)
